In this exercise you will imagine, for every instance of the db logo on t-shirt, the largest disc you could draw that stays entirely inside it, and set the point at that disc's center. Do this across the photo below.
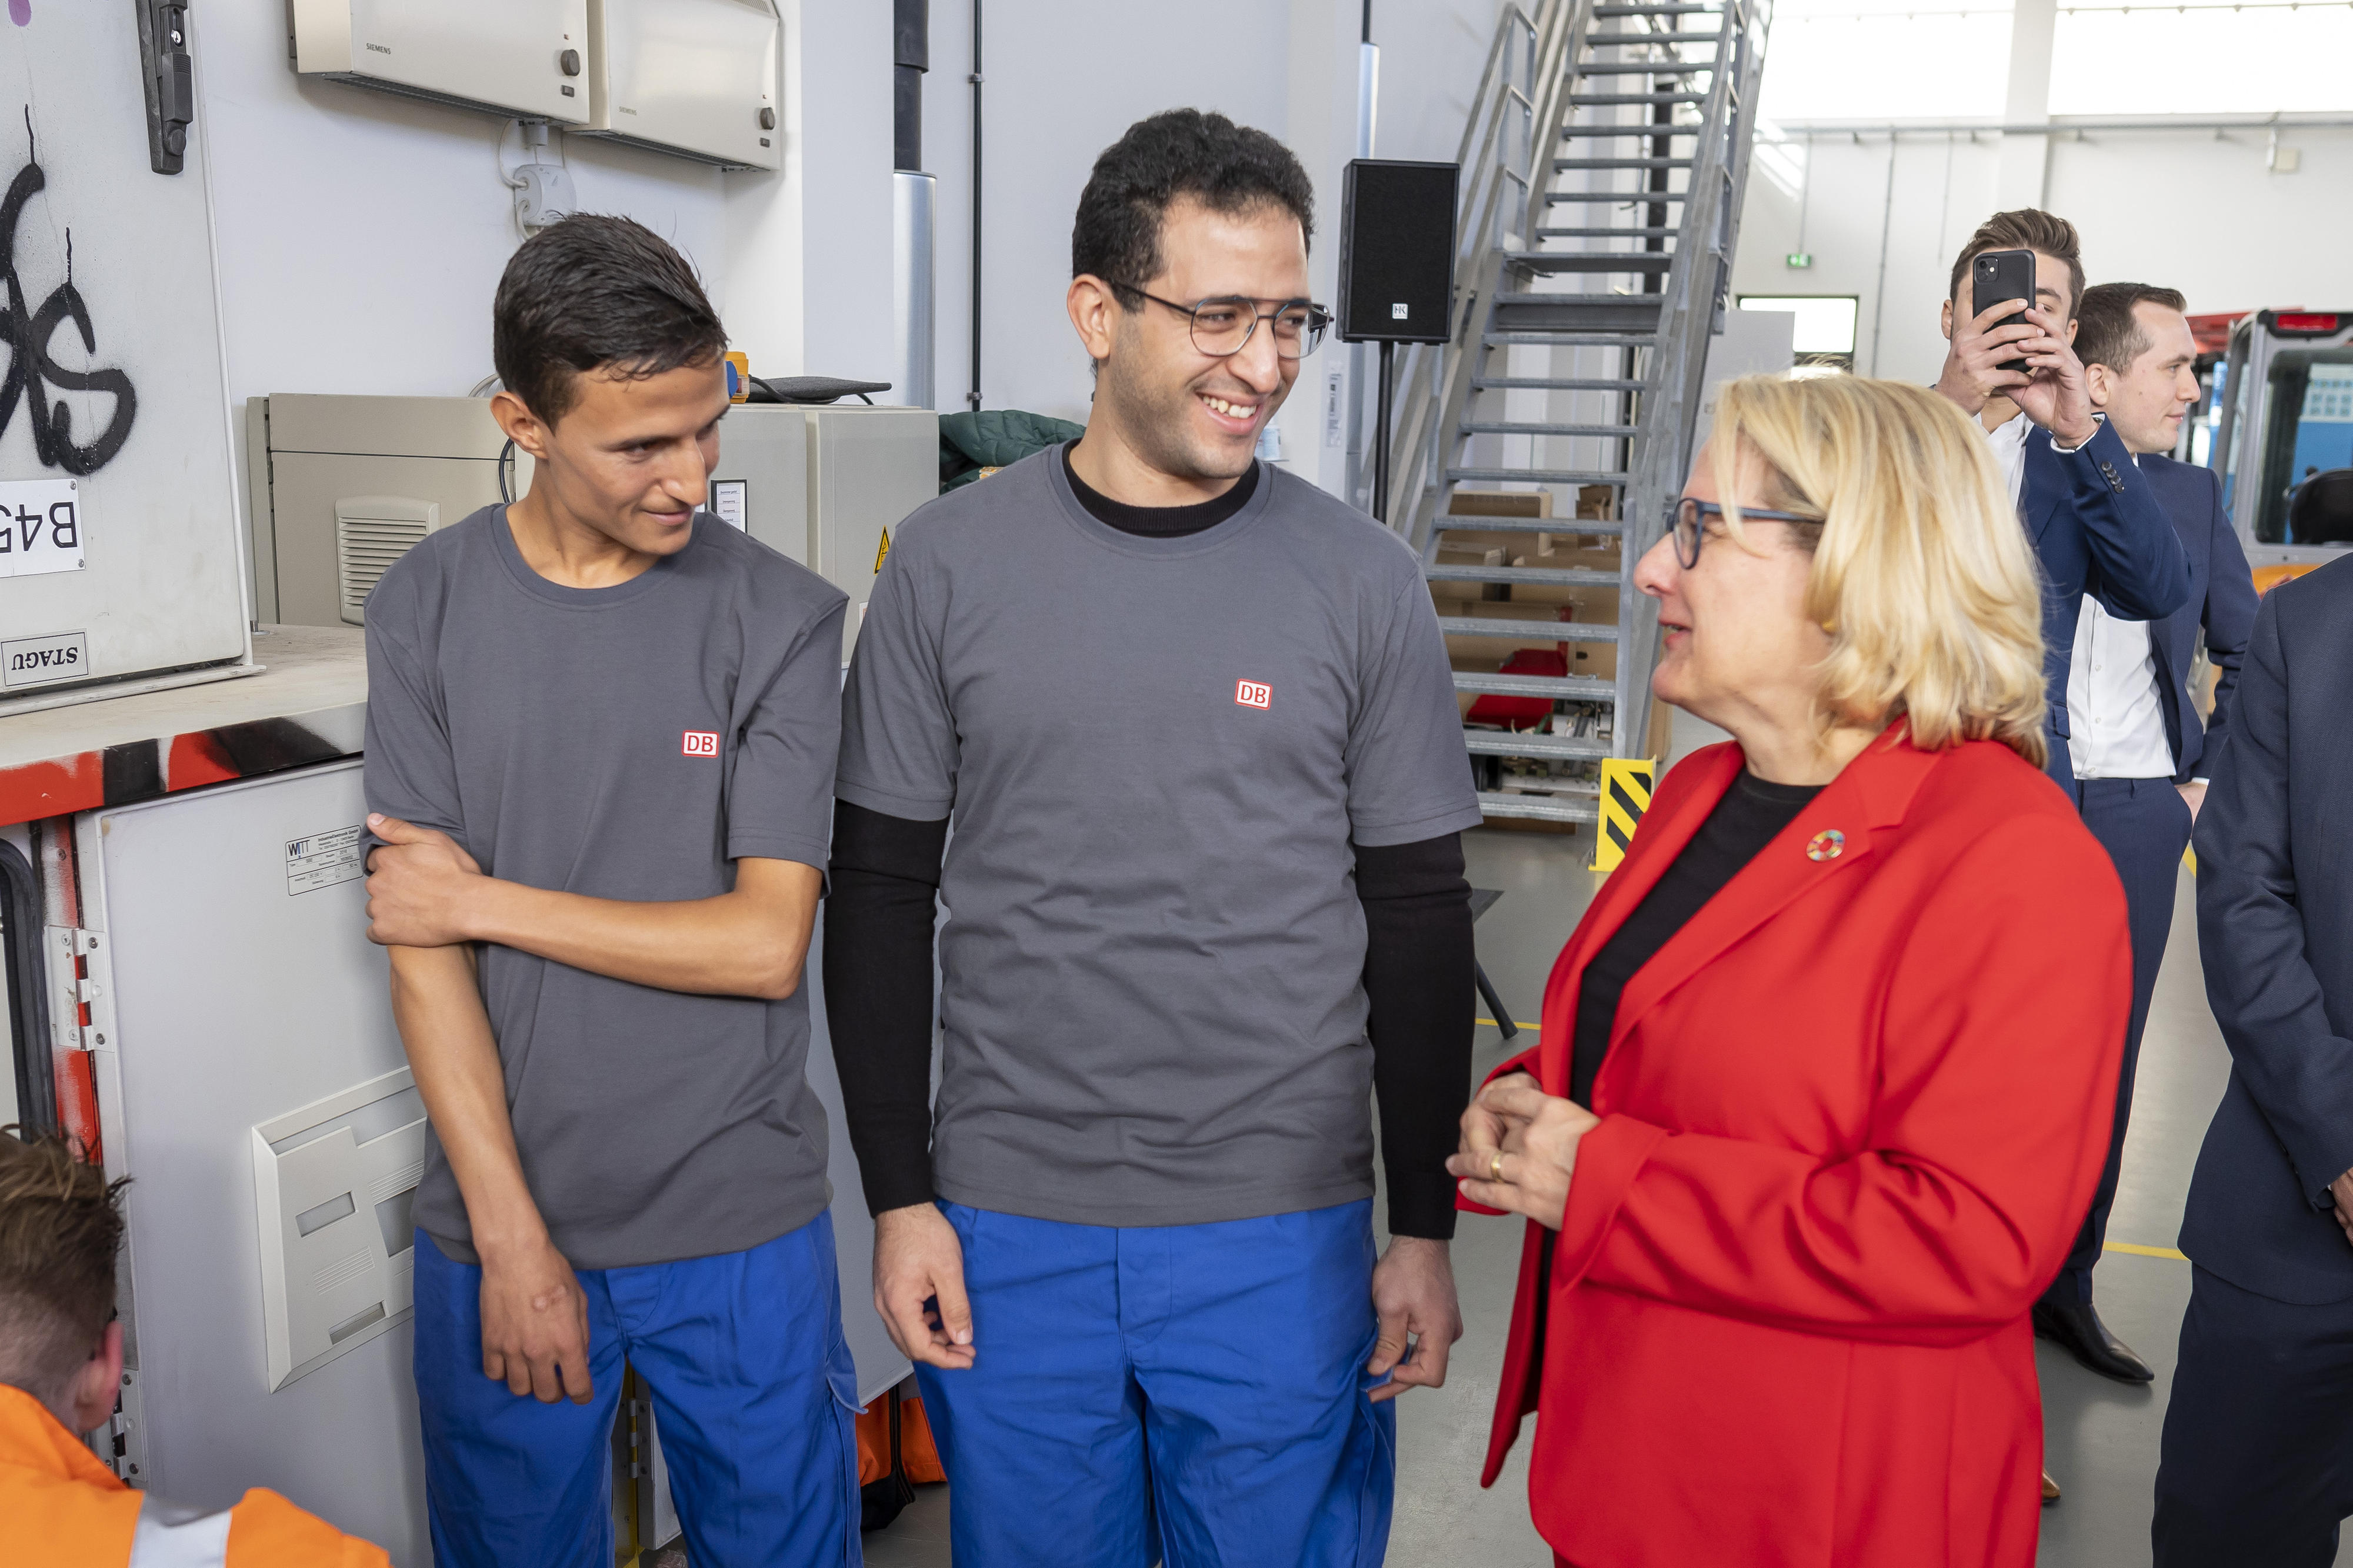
(700, 744)
(1253, 694)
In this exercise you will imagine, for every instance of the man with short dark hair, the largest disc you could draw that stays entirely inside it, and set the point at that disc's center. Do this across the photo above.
(61, 1366)
(2096, 528)
(1193, 722)
(2137, 750)
(600, 742)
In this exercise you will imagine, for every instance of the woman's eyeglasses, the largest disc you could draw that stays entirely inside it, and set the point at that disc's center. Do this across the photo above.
(1687, 521)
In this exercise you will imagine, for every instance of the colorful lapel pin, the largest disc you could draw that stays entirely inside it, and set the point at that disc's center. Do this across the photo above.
(1827, 844)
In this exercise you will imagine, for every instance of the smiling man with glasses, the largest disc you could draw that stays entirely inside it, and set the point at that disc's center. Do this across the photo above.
(1193, 723)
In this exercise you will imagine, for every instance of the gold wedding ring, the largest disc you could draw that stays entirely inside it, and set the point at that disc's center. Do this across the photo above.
(1495, 1167)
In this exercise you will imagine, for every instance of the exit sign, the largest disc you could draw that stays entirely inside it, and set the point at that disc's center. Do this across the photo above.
(1799, 258)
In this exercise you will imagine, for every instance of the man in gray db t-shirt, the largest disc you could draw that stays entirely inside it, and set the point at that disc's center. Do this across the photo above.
(1184, 711)
(600, 743)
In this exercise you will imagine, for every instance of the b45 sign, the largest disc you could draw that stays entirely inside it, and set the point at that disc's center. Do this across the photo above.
(40, 527)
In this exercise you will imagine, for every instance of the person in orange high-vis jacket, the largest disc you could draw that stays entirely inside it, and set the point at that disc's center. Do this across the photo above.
(60, 1363)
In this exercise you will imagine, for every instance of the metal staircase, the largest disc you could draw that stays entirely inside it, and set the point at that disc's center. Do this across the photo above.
(1603, 168)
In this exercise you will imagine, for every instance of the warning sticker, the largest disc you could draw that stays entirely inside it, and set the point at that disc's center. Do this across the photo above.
(323, 859)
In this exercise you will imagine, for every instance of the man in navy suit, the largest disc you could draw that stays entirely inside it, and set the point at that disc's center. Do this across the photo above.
(2137, 751)
(2257, 1462)
(2096, 523)
(2102, 536)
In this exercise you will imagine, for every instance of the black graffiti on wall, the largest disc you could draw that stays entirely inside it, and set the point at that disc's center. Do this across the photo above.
(26, 333)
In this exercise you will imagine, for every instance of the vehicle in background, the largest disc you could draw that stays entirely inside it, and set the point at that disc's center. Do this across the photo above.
(2283, 447)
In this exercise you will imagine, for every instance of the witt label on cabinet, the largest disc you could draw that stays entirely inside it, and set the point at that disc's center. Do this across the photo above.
(40, 527)
(323, 859)
(36, 661)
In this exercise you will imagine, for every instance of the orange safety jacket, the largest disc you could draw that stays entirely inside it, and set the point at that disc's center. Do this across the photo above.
(61, 1508)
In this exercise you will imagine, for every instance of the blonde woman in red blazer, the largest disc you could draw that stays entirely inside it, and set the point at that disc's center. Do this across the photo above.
(1855, 1090)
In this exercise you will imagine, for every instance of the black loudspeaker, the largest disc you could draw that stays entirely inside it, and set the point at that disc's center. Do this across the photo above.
(1396, 251)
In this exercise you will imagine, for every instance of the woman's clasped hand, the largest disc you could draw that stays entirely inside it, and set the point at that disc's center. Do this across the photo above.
(1519, 1149)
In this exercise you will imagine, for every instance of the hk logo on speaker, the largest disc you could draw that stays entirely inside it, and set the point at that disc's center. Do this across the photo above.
(1397, 311)
(699, 743)
(1253, 694)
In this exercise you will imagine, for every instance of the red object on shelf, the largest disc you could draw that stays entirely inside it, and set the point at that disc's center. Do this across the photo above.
(2213, 331)
(1520, 712)
(2318, 324)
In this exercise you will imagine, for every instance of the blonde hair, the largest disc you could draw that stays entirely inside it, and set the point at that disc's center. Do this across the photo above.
(1922, 573)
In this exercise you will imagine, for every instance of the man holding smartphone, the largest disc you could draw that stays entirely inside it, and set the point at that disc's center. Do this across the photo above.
(2095, 522)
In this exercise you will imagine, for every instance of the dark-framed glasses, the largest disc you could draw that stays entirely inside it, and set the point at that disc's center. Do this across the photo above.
(1687, 521)
(1223, 324)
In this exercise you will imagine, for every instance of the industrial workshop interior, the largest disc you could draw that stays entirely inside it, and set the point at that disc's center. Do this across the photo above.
(1047, 1041)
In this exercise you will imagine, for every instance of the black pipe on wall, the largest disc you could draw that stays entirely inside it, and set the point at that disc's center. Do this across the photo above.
(972, 398)
(910, 56)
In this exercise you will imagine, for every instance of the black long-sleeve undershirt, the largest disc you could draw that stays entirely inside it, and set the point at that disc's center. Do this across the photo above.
(1418, 965)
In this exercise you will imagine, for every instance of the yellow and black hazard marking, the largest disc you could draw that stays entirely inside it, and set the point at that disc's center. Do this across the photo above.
(1626, 784)
(883, 554)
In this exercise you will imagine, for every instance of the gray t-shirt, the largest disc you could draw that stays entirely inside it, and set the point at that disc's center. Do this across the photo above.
(627, 743)
(1155, 753)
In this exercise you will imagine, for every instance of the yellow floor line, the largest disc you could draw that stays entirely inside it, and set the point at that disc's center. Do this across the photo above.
(2139, 1251)
(1492, 1025)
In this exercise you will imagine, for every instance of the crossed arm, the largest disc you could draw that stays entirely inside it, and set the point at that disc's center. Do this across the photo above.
(428, 902)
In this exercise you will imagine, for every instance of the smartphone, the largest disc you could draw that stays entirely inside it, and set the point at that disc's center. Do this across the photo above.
(2000, 275)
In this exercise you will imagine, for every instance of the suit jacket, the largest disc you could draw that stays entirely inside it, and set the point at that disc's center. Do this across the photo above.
(2222, 602)
(2098, 528)
(1852, 1116)
(2274, 845)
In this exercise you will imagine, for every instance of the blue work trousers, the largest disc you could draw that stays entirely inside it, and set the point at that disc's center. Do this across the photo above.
(754, 1398)
(1192, 1395)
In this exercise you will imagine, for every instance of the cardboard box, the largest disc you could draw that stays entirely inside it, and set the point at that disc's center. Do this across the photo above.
(1500, 503)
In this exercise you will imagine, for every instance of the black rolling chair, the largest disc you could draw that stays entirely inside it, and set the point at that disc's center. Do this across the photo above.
(2320, 509)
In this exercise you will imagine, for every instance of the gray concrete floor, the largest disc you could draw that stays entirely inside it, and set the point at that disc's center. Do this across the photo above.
(2102, 1437)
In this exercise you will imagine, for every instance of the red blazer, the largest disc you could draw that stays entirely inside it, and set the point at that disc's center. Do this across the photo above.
(1852, 1118)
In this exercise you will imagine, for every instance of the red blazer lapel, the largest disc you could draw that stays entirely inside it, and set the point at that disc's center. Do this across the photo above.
(1664, 829)
(1861, 805)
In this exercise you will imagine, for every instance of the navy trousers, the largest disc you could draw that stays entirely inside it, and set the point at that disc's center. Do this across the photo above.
(2144, 825)
(2257, 1462)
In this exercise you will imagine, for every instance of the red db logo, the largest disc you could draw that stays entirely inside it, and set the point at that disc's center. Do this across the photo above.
(700, 744)
(1253, 694)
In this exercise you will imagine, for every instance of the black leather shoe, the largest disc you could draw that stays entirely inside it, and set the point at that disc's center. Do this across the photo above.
(2079, 1332)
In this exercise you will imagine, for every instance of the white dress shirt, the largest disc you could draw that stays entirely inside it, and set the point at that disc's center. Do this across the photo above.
(2009, 444)
(2115, 726)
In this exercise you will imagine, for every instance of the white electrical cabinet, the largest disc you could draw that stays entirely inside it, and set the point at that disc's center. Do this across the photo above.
(694, 77)
(119, 542)
(526, 58)
(826, 485)
(251, 1082)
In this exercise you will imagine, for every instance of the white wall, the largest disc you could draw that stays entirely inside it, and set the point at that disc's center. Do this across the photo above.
(361, 235)
(2181, 209)
(1057, 94)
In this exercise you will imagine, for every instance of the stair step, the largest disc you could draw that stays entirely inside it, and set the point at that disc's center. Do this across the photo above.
(1518, 744)
(1643, 67)
(1559, 687)
(1611, 198)
(1593, 234)
(1554, 384)
(1635, 128)
(1553, 631)
(1607, 99)
(1517, 310)
(1451, 521)
(1568, 339)
(1600, 261)
(1550, 577)
(1541, 807)
(1644, 36)
(1564, 166)
(1658, 10)
(1541, 476)
(1523, 428)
